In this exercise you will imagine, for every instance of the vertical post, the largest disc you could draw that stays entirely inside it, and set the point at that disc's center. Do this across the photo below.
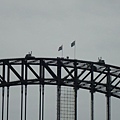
(40, 101)
(58, 101)
(43, 102)
(8, 77)
(21, 102)
(108, 108)
(26, 91)
(7, 102)
(58, 88)
(42, 77)
(25, 101)
(22, 74)
(92, 94)
(92, 106)
(3, 92)
(108, 95)
(75, 87)
(40, 72)
(3, 103)
(75, 51)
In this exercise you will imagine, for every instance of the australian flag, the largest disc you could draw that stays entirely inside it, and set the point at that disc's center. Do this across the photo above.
(60, 48)
(73, 44)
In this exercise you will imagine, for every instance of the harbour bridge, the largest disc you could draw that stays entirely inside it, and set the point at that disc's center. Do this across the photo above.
(68, 75)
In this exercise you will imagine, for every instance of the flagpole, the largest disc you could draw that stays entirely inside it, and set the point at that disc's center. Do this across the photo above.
(73, 44)
(62, 50)
(75, 50)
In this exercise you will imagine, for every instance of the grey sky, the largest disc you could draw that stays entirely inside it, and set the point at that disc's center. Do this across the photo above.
(42, 26)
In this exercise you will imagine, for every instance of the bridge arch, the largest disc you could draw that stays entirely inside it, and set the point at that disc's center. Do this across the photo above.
(79, 74)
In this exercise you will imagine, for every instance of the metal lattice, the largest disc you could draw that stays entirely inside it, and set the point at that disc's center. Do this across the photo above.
(67, 103)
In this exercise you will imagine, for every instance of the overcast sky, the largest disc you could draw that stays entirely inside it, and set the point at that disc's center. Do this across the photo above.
(41, 26)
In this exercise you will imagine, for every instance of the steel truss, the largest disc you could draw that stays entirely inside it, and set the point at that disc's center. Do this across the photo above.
(92, 76)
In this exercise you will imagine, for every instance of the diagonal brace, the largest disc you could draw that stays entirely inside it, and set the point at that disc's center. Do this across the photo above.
(33, 71)
(2, 79)
(70, 74)
(49, 70)
(14, 71)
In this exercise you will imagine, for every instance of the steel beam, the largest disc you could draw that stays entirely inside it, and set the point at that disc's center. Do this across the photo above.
(43, 102)
(26, 76)
(3, 70)
(3, 103)
(67, 64)
(42, 78)
(108, 95)
(22, 75)
(92, 93)
(58, 89)
(40, 102)
(75, 87)
(40, 74)
(7, 103)
(21, 102)
(8, 78)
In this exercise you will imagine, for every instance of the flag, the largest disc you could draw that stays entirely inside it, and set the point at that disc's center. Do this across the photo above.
(73, 44)
(60, 48)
